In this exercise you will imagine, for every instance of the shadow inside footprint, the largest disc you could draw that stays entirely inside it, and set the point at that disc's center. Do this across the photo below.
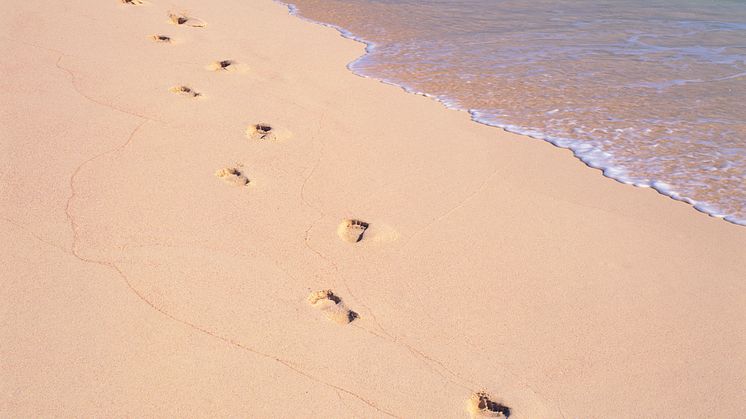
(332, 306)
(261, 131)
(161, 38)
(182, 19)
(132, 2)
(185, 91)
(233, 176)
(223, 65)
(227, 66)
(481, 405)
(352, 230)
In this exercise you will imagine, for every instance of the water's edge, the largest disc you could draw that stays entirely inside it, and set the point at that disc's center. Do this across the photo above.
(582, 151)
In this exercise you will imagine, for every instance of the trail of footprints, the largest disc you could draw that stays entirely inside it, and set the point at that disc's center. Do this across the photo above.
(350, 230)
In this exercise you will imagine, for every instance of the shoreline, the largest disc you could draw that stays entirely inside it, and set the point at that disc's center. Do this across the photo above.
(580, 150)
(161, 251)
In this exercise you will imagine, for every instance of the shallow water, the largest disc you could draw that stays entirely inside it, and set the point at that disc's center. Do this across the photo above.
(651, 92)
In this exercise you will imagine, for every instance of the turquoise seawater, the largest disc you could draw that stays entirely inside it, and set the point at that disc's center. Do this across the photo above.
(651, 92)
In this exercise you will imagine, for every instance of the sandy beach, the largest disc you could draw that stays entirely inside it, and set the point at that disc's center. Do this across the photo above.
(178, 181)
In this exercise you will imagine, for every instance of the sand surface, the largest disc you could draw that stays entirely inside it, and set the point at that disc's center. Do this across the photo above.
(137, 282)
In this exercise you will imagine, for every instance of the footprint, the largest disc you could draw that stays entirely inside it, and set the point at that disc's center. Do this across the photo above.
(480, 405)
(183, 19)
(227, 66)
(262, 131)
(233, 176)
(351, 230)
(185, 91)
(224, 65)
(132, 2)
(332, 306)
(161, 38)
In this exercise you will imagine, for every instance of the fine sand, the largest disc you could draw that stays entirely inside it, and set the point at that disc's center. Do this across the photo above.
(372, 254)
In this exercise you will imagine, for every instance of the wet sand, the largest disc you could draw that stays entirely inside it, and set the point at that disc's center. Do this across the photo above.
(371, 254)
(650, 94)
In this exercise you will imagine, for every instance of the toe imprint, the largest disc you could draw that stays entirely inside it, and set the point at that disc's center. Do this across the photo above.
(332, 306)
(352, 230)
(480, 405)
(233, 176)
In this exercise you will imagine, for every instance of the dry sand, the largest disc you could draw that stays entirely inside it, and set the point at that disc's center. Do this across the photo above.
(137, 283)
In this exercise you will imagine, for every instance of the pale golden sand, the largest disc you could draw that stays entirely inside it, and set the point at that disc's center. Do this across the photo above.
(136, 284)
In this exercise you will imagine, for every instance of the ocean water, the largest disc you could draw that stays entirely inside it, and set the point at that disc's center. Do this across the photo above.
(652, 92)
